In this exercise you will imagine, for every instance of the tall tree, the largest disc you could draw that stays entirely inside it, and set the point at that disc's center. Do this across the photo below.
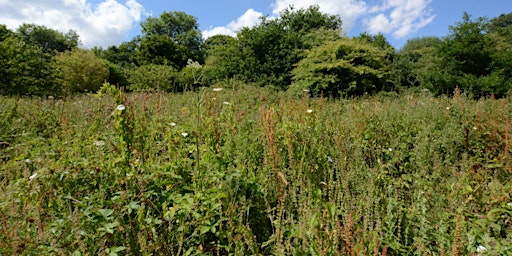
(49, 40)
(276, 45)
(177, 34)
(417, 62)
(4, 32)
(25, 69)
(476, 59)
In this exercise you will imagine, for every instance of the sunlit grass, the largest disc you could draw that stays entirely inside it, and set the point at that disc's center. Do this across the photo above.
(244, 170)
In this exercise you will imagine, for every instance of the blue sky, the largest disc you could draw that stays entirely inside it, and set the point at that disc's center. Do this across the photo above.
(110, 22)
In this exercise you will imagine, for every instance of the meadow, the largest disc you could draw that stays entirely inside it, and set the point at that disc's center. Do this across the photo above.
(242, 170)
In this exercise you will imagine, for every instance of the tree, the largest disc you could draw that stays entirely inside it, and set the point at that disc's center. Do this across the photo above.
(343, 67)
(160, 49)
(504, 21)
(475, 59)
(81, 71)
(183, 38)
(275, 45)
(49, 40)
(154, 77)
(5, 32)
(25, 69)
(417, 64)
(225, 59)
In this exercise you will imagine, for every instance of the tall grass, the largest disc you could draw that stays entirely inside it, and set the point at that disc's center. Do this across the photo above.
(248, 171)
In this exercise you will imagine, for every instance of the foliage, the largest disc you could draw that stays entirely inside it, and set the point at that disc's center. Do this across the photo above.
(49, 40)
(5, 32)
(25, 69)
(471, 57)
(274, 46)
(225, 59)
(183, 37)
(81, 71)
(154, 77)
(417, 63)
(343, 67)
(159, 49)
(249, 171)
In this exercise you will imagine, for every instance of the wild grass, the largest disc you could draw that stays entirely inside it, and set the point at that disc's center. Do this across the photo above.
(248, 171)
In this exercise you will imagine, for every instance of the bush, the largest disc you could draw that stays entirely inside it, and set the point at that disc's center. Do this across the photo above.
(81, 71)
(154, 77)
(350, 67)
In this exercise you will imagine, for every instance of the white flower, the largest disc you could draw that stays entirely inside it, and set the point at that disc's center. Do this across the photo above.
(172, 124)
(305, 90)
(309, 111)
(184, 134)
(32, 176)
(121, 107)
(474, 128)
(217, 89)
(225, 103)
(481, 248)
(28, 161)
(447, 108)
(329, 159)
(99, 143)
(390, 149)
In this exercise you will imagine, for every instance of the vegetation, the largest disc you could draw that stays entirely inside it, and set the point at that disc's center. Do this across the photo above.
(300, 50)
(288, 139)
(246, 171)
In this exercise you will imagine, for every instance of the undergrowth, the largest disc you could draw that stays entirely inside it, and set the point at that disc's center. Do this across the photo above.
(249, 171)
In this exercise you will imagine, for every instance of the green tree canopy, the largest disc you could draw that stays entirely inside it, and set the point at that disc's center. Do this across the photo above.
(25, 69)
(275, 45)
(176, 32)
(345, 66)
(476, 59)
(417, 61)
(4, 32)
(81, 71)
(49, 40)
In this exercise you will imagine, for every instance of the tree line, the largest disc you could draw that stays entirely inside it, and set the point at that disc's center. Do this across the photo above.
(303, 50)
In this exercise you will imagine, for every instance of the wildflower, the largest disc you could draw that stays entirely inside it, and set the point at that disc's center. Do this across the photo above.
(309, 111)
(99, 143)
(121, 107)
(474, 128)
(28, 161)
(481, 248)
(193, 64)
(217, 89)
(225, 103)
(329, 159)
(184, 134)
(390, 149)
(447, 108)
(172, 124)
(32, 176)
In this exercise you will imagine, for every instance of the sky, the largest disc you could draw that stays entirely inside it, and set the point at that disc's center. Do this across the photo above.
(110, 22)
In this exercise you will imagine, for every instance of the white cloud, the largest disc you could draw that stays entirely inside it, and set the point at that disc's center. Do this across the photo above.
(248, 19)
(105, 24)
(349, 10)
(399, 17)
